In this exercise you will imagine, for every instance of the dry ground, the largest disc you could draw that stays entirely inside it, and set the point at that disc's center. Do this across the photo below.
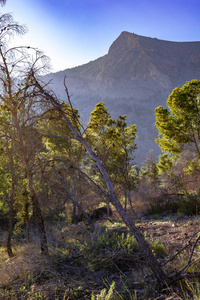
(69, 274)
(173, 231)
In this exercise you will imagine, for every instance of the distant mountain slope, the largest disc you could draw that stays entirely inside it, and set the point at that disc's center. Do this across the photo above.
(135, 77)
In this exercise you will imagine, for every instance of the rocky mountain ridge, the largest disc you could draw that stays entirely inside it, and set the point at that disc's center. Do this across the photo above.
(135, 77)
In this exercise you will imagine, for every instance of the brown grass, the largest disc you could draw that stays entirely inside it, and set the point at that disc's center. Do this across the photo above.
(75, 269)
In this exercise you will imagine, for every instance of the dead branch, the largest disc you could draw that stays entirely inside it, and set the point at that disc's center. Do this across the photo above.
(69, 193)
(70, 103)
(184, 276)
(179, 251)
(191, 254)
(178, 275)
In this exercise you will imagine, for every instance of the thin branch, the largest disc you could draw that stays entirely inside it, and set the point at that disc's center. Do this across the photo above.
(70, 103)
(179, 251)
(87, 177)
(186, 275)
(56, 136)
(188, 264)
(69, 193)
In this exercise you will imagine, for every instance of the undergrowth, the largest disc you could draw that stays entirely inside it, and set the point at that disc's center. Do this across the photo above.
(186, 204)
(190, 204)
(100, 264)
(157, 207)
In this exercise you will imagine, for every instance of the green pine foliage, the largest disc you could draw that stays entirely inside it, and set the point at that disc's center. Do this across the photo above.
(179, 124)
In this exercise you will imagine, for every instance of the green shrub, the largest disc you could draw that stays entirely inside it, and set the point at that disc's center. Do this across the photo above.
(159, 249)
(108, 250)
(104, 295)
(117, 242)
(156, 207)
(156, 217)
(190, 205)
(77, 293)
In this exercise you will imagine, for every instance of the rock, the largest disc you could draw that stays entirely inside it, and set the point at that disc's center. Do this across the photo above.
(100, 213)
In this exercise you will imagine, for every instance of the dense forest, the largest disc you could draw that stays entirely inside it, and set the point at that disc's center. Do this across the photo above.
(77, 215)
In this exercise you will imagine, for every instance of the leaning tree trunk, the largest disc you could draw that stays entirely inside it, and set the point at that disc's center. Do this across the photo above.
(126, 200)
(144, 246)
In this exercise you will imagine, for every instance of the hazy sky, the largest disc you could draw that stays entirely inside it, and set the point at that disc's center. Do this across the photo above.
(74, 32)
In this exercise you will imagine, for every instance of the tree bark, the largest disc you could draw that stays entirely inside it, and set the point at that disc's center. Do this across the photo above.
(40, 225)
(26, 208)
(125, 200)
(131, 205)
(11, 209)
(74, 218)
(76, 203)
(10, 228)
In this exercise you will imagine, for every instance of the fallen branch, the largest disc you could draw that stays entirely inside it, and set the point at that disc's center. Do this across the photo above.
(179, 251)
(186, 275)
(178, 275)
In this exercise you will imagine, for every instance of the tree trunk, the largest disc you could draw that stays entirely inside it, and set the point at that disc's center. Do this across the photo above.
(131, 205)
(27, 221)
(76, 203)
(108, 208)
(145, 248)
(36, 206)
(11, 210)
(74, 218)
(27, 231)
(40, 225)
(10, 228)
(125, 198)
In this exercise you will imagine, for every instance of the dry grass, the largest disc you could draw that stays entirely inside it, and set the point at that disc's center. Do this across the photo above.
(76, 268)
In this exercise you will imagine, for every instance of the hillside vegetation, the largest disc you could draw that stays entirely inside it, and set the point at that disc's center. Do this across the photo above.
(79, 219)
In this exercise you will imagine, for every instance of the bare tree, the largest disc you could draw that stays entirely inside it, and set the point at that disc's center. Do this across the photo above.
(19, 99)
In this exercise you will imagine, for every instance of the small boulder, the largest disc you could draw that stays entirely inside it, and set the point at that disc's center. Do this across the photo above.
(100, 213)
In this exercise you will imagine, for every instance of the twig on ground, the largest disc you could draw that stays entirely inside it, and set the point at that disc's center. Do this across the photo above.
(179, 251)
(179, 275)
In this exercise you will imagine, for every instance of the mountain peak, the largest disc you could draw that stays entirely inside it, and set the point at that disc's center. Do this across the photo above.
(125, 39)
(135, 77)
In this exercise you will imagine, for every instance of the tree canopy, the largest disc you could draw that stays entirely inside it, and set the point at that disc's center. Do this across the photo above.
(179, 124)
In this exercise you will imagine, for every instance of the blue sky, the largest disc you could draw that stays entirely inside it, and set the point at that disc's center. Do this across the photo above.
(74, 32)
